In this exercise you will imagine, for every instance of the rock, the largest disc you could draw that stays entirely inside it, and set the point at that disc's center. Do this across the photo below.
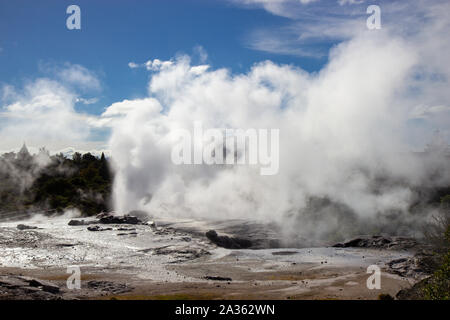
(98, 228)
(395, 243)
(107, 218)
(31, 290)
(131, 234)
(103, 215)
(12, 282)
(418, 267)
(228, 242)
(284, 253)
(357, 243)
(415, 292)
(25, 287)
(65, 245)
(215, 278)
(109, 287)
(180, 253)
(126, 219)
(80, 222)
(25, 227)
(44, 285)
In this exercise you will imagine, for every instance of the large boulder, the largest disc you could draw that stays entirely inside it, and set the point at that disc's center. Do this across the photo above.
(80, 222)
(228, 242)
(44, 285)
(126, 219)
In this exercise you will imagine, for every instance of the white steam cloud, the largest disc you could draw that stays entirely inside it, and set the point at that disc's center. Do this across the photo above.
(340, 130)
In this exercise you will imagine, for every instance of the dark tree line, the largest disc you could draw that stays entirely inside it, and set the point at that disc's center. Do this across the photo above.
(44, 182)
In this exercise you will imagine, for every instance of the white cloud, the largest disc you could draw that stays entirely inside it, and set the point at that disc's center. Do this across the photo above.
(285, 8)
(201, 53)
(156, 65)
(151, 65)
(312, 27)
(73, 76)
(42, 114)
(79, 76)
(87, 101)
(133, 65)
(118, 110)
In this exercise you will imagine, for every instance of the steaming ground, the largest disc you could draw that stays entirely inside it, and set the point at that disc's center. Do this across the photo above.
(173, 259)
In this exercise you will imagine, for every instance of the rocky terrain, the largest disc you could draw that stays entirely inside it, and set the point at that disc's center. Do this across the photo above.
(132, 257)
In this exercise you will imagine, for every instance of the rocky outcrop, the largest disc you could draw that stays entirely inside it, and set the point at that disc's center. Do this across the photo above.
(107, 218)
(75, 222)
(418, 267)
(179, 253)
(15, 287)
(19, 287)
(126, 219)
(380, 242)
(415, 292)
(228, 242)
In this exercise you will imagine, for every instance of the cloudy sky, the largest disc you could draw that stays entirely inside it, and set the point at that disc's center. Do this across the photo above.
(63, 88)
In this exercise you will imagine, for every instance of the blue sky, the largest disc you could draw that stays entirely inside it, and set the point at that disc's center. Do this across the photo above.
(51, 75)
(114, 33)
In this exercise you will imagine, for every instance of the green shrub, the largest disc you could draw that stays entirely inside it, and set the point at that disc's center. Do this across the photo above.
(438, 288)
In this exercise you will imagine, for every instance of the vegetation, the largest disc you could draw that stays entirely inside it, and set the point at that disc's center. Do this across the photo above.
(437, 287)
(44, 182)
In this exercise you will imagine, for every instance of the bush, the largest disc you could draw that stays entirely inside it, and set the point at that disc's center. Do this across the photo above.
(438, 288)
(438, 285)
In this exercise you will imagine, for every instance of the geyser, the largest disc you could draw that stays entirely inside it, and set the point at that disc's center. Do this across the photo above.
(346, 161)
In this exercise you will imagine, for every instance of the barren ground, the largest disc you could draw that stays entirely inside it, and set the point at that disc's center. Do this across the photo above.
(172, 260)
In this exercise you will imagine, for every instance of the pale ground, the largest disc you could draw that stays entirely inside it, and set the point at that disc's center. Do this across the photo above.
(170, 262)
